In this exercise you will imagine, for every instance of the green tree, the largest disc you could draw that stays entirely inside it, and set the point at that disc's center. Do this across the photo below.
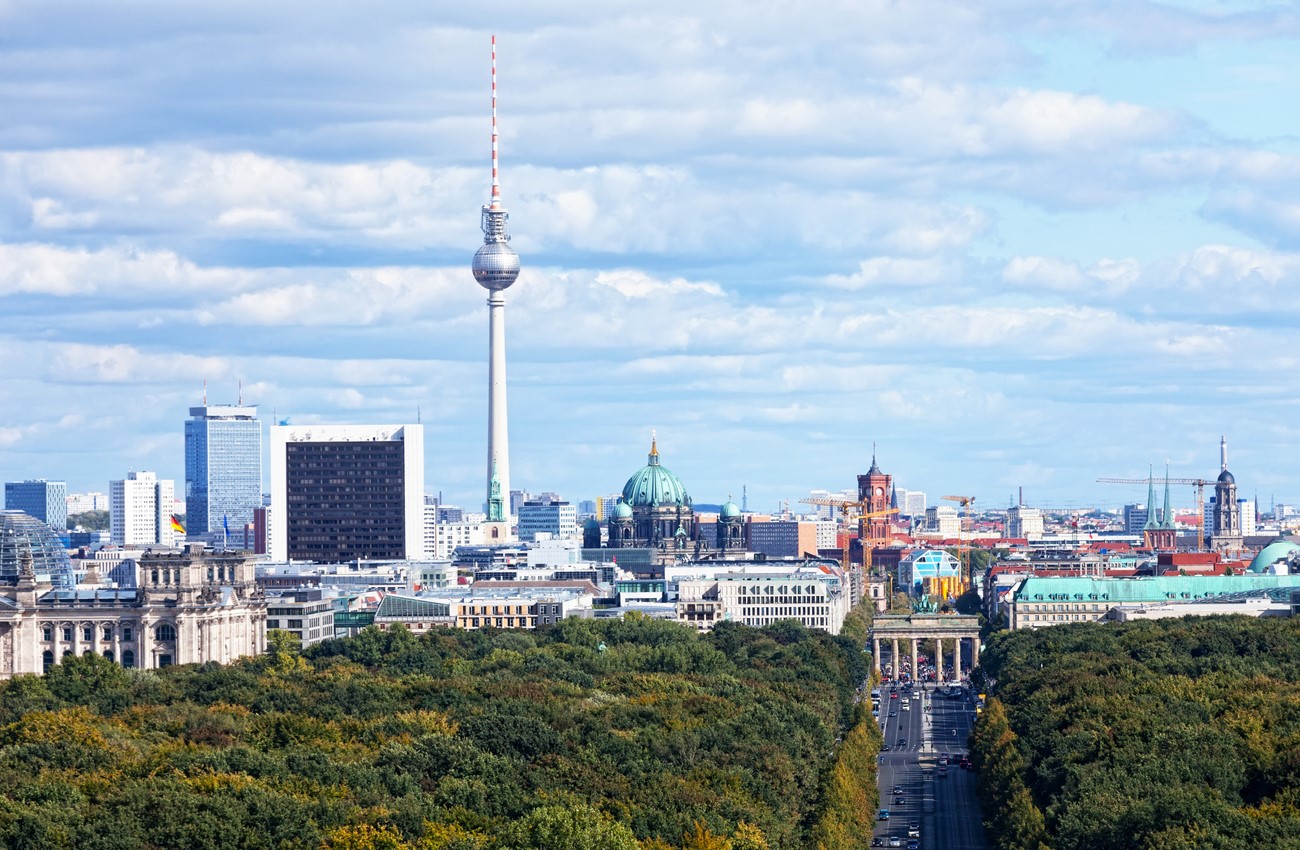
(567, 827)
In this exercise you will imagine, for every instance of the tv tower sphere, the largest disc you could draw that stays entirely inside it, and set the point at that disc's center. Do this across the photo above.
(496, 265)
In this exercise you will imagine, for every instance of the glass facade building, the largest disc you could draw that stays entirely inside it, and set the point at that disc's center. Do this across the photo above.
(21, 534)
(45, 500)
(223, 468)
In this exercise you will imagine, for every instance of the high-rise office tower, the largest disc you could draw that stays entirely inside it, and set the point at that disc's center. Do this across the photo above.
(140, 510)
(223, 468)
(44, 500)
(345, 492)
(496, 265)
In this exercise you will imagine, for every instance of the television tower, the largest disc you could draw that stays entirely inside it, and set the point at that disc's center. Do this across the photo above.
(496, 265)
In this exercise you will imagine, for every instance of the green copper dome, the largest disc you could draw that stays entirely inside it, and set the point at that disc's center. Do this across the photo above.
(1272, 553)
(730, 510)
(653, 485)
(622, 511)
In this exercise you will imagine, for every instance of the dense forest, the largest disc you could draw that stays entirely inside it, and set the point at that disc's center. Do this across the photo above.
(614, 734)
(1156, 735)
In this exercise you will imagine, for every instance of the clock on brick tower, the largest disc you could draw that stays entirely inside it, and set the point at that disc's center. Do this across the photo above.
(874, 490)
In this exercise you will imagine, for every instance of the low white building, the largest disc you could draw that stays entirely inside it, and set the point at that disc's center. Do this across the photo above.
(814, 594)
(478, 607)
(1024, 523)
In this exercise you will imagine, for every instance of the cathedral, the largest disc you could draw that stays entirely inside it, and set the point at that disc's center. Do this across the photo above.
(656, 512)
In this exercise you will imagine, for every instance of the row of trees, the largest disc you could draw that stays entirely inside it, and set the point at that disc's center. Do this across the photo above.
(612, 734)
(1159, 734)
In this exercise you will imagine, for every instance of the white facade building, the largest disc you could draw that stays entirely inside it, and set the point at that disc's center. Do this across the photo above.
(140, 510)
(1023, 522)
(758, 596)
(444, 537)
(943, 521)
(826, 534)
(558, 519)
(80, 503)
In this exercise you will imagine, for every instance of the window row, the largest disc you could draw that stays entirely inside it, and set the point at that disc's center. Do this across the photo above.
(163, 632)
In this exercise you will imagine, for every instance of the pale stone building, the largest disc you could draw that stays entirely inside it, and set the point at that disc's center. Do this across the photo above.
(188, 606)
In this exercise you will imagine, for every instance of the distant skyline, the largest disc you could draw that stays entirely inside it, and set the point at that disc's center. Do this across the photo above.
(1012, 244)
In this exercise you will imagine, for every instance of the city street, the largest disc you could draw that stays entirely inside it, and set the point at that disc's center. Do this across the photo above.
(945, 807)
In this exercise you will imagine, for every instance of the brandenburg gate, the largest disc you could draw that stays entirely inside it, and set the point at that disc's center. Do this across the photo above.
(919, 627)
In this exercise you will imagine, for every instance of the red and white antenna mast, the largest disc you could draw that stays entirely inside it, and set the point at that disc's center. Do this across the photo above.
(496, 183)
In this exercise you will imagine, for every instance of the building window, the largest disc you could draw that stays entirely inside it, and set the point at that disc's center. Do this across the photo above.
(126, 633)
(164, 661)
(165, 632)
(108, 633)
(47, 660)
(108, 653)
(67, 634)
(47, 633)
(128, 658)
(87, 633)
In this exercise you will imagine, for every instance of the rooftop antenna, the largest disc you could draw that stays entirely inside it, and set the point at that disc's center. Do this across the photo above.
(744, 498)
(496, 185)
(417, 415)
(205, 392)
(241, 392)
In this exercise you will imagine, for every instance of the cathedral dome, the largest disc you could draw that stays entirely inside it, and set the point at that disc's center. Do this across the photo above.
(622, 511)
(1225, 477)
(730, 510)
(653, 485)
(19, 534)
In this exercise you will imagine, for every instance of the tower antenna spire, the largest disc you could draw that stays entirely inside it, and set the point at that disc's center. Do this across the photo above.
(496, 182)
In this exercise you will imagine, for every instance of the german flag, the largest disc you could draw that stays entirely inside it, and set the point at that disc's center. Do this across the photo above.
(176, 525)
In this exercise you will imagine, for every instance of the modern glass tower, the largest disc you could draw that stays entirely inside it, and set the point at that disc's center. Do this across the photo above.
(223, 468)
(45, 500)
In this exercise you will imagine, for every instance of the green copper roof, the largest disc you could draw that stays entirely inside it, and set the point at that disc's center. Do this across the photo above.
(653, 485)
(1271, 554)
(1158, 589)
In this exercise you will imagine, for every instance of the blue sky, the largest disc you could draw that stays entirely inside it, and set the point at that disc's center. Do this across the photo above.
(1013, 244)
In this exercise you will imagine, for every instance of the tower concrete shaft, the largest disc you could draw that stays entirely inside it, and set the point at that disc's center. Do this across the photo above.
(498, 459)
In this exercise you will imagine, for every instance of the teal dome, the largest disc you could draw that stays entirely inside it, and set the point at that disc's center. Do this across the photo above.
(622, 511)
(730, 510)
(653, 485)
(1271, 554)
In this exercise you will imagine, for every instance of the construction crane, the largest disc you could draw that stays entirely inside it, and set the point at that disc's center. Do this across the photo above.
(1199, 483)
(846, 506)
(963, 560)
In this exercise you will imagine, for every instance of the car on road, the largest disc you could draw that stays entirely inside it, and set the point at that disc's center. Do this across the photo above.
(902, 742)
(884, 815)
(900, 801)
(898, 789)
(893, 714)
(893, 694)
(914, 844)
(895, 841)
(914, 830)
(878, 841)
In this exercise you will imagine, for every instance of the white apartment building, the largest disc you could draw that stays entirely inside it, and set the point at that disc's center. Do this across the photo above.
(826, 534)
(1023, 522)
(140, 510)
(442, 538)
(80, 503)
(942, 521)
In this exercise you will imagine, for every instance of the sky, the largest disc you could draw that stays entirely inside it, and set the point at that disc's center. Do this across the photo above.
(1010, 244)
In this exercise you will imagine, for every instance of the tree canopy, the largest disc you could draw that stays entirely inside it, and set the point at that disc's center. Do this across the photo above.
(464, 740)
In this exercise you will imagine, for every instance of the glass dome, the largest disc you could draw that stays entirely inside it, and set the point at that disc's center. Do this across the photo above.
(50, 560)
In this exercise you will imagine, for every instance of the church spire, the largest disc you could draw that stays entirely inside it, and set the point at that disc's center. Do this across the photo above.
(1167, 519)
(654, 449)
(1152, 522)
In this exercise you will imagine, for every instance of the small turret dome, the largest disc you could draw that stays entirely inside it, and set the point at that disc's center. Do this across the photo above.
(730, 510)
(1225, 477)
(622, 511)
